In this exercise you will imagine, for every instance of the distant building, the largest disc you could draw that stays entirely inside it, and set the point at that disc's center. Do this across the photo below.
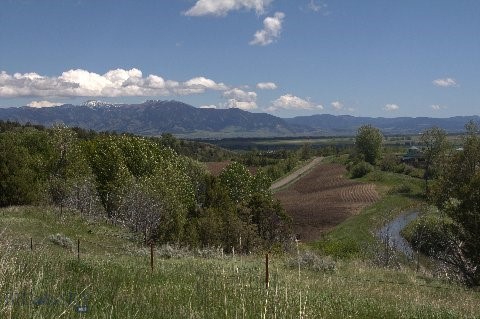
(414, 154)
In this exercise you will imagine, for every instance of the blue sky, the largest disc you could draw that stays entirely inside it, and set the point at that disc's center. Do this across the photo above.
(364, 58)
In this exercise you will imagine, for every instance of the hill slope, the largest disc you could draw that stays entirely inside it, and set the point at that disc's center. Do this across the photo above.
(113, 278)
(347, 125)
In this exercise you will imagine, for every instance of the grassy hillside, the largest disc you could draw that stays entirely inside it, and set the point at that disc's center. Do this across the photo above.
(113, 279)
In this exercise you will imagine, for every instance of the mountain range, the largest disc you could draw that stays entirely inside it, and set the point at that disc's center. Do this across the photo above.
(155, 117)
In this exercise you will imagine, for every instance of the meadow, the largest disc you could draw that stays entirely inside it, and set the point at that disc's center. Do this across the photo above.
(113, 279)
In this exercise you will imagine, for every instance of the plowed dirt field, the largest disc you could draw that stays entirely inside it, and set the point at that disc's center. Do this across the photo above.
(324, 198)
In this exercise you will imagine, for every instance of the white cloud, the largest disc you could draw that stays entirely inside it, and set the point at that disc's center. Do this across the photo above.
(239, 94)
(237, 98)
(114, 83)
(222, 7)
(39, 104)
(244, 105)
(208, 106)
(291, 102)
(272, 28)
(337, 105)
(445, 82)
(391, 107)
(437, 107)
(316, 7)
(266, 86)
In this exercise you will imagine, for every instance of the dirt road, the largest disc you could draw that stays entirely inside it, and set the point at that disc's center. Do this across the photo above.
(295, 175)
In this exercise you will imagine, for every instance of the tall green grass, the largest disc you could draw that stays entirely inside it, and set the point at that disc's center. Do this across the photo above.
(113, 279)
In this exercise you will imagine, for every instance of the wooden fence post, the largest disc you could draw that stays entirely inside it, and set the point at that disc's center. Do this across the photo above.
(267, 279)
(151, 255)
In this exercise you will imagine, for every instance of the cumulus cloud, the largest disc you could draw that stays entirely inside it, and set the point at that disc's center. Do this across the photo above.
(222, 7)
(292, 102)
(337, 105)
(238, 98)
(208, 106)
(445, 82)
(266, 86)
(272, 28)
(39, 104)
(391, 107)
(114, 83)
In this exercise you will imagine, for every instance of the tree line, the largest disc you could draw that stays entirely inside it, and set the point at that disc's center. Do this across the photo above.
(141, 183)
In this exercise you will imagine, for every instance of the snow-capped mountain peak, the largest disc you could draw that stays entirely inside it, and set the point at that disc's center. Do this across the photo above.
(95, 103)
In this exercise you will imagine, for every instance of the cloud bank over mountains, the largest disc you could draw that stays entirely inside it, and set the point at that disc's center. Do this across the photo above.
(114, 83)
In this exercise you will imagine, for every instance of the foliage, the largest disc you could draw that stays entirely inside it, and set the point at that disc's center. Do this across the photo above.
(456, 193)
(141, 183)
(237, 181)
(368, 143)
(436, 145)
(61, 240)
(361, 169)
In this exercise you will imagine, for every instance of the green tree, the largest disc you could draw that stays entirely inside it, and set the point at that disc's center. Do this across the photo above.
(111, 173)
(456, 193)
(17, 179)
(436, 146)
(368, 143)
(237, 181)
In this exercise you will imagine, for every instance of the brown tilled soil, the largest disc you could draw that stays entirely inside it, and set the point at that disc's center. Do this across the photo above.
(324, 198)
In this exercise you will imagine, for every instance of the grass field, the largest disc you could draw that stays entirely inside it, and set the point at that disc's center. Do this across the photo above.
(113, 279)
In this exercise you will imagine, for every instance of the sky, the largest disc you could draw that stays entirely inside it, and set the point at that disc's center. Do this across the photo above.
(379, 58)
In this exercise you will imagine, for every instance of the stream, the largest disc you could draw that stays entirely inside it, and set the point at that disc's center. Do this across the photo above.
(391, 232)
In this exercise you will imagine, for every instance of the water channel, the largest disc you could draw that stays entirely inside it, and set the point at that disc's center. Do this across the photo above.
(392, 233)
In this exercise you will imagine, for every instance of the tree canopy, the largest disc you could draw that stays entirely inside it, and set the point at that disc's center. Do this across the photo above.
(368, 143)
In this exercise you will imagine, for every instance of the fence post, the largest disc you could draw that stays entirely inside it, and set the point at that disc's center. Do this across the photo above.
(78, 248)
(31, 243)
(151, 255)
(418, 261)
(267, 279)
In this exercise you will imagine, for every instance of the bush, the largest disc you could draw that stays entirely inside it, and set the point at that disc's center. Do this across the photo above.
(361, 169)
(389, 163)
(311, 261)
(62, 241)
(401, 189)
(430, 233)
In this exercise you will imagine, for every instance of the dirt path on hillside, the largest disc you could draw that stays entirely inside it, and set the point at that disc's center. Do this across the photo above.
(295, 175)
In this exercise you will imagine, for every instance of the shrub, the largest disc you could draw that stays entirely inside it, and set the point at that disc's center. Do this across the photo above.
(361, 169)
(401, 189)
(389, 163)
(311, 261)
(62, 241)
